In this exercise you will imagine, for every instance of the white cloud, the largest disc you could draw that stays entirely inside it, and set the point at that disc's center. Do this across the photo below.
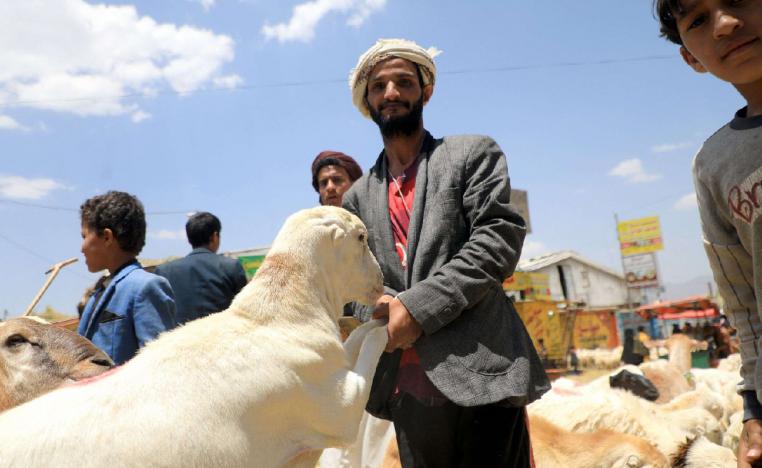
(21, 188)
(632, 170)
(88, 59)
(140, 116)
(8, 123)
(206, 4)
(228, 81)
(667, 147)
(363, 10)
(532, 249)
(166, 234)
(686, 202)
(306, 16)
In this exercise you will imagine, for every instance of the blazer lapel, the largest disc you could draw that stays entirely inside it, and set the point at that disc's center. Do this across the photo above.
(419, 203)
(98, 308)
(382, 228)
(106, 297)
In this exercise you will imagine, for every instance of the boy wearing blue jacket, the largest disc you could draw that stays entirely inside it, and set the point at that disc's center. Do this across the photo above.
(132, 306)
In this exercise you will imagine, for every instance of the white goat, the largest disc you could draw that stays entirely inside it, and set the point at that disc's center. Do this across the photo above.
(262, 384)
(701, 453)
(621, 411)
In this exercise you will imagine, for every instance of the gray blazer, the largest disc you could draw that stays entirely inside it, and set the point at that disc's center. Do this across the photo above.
(464, 239)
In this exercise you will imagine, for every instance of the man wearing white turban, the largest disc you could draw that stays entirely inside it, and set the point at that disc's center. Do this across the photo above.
(460, 367)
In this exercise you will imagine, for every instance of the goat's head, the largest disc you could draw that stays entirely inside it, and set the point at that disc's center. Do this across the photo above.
(335, 242)
(36, 358)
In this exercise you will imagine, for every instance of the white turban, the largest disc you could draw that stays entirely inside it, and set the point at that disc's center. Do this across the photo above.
(382, 50)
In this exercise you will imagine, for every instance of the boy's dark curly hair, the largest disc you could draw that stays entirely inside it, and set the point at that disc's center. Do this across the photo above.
(122, 213)
(665, 11)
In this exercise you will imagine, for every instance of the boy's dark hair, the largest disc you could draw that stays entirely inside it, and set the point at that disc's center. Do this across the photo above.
(122, 213)
(665, 11)
(200, 228)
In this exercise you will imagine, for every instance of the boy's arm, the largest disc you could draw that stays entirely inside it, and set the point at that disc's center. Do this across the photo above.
(154, 310)
(732, 267)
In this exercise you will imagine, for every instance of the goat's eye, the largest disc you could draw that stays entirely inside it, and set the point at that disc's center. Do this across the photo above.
(361, 237)
(15, 340)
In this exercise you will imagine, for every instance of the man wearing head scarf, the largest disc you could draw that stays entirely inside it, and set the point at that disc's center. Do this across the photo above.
(333, 173)
(460, 367)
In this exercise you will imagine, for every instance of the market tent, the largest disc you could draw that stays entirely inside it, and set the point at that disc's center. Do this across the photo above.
(691, 307)
(689, 314)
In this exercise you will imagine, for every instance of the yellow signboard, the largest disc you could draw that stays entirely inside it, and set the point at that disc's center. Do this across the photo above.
(595, 330)
(535, 286)
(542, 320)
(639, 236)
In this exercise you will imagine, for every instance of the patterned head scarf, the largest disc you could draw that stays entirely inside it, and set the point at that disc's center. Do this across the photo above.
(384, 49)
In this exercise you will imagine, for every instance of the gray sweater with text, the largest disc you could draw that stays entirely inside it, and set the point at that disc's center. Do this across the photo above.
(728, 176)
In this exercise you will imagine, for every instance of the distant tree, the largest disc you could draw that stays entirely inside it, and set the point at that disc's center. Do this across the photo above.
(52, 315)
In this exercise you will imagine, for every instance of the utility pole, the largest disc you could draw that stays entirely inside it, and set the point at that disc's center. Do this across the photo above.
(621, 258)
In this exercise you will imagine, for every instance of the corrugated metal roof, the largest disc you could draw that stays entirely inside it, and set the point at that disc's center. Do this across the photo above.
(246, 252)
(544, 261)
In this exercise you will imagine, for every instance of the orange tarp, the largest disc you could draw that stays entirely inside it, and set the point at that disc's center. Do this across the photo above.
(689, 307)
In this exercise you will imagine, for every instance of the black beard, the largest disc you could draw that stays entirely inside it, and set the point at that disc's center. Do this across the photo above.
(404, 125)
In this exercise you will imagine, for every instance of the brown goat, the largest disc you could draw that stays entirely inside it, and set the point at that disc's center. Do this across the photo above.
(36, 358)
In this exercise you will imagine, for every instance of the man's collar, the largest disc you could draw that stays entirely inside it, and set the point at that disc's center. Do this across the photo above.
(122, 271)
(198, 250)
(426, 146)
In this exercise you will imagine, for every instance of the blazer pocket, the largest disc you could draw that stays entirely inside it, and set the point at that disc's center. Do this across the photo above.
(491, 339)
(107, 316)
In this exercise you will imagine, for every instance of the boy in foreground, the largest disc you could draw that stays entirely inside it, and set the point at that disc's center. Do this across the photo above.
(131, 307)
(724, 38)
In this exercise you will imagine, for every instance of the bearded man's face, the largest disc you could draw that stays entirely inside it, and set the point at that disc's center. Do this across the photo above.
(395, 98)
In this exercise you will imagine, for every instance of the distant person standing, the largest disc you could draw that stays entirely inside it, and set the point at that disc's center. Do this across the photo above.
(333, 173)
(131, 306)
(633, 351)
(204, 282)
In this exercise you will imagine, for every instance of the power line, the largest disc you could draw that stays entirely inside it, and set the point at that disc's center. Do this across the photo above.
(658, 201)
(76, 210)
(35, 205)
(31, 252)
(289, 84)
(647, 58)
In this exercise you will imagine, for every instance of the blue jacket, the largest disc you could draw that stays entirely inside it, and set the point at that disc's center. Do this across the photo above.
(133, 309)
(203, 282)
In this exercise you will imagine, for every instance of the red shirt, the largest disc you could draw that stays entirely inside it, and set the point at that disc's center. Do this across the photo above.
(411, 378)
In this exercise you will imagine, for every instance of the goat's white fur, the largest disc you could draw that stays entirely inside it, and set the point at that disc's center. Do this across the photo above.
(266, 383)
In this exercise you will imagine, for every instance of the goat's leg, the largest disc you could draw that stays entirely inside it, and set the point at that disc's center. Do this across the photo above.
(356, 340)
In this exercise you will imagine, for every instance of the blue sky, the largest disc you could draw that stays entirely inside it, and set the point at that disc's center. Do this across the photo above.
(220, 105)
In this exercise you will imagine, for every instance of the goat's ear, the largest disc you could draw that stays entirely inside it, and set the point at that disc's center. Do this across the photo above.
(338, 234)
